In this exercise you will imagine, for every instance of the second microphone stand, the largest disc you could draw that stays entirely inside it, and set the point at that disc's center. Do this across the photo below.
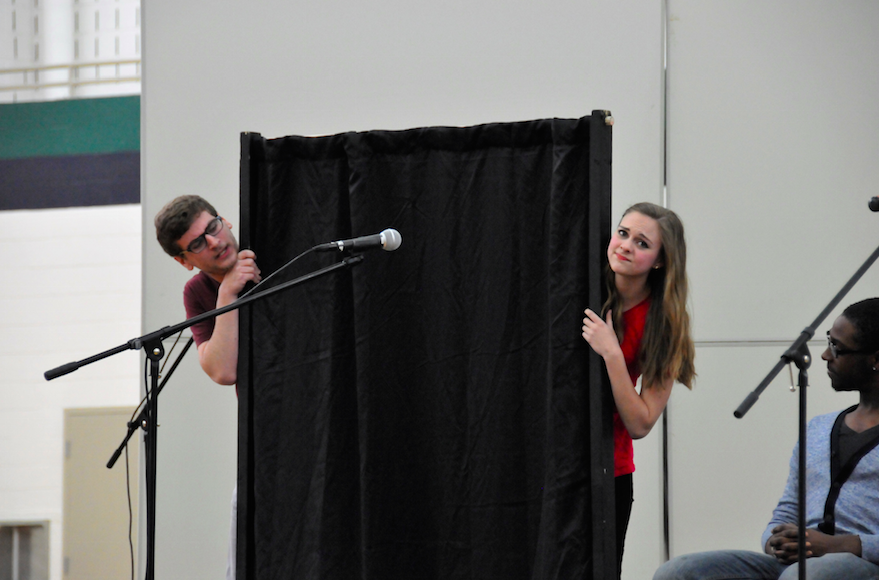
(152, 345)
(798, 353)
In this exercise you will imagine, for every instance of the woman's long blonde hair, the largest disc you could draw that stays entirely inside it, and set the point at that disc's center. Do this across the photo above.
(667, 349)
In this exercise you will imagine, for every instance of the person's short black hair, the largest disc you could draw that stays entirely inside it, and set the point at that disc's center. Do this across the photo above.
(864, 316)
(175, 219)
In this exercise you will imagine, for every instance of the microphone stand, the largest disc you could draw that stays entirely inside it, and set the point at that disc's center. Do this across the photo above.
(142, 419)
(152, 345)
(798, 353)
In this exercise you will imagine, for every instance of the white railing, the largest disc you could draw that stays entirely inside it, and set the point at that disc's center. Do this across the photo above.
(78, 75)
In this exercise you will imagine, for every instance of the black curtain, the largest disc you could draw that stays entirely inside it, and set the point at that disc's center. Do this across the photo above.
(431, 412)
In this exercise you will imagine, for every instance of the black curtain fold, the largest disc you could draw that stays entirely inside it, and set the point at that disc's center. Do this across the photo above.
(431, 412)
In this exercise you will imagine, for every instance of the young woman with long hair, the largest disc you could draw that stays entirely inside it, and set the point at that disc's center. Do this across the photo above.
(643, 330)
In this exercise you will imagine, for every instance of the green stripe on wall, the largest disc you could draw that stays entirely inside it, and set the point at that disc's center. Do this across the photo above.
(75, 127)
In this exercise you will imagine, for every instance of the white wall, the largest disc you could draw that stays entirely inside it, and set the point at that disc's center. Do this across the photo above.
(71, 289)
(772, 148)
(770, 138)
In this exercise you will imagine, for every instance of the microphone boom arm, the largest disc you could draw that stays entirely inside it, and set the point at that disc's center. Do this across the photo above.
(162, 333)
(804, 337)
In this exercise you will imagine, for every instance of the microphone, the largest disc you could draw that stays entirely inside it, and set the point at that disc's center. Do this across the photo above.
(874, 204)
(388, 240)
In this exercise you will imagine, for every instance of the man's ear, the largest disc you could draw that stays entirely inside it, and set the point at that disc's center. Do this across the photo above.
(183, 262)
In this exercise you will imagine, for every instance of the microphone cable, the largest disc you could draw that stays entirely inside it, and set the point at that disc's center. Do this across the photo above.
(269, 277)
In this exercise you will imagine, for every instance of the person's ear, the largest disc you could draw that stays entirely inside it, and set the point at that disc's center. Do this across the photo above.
(184, 262)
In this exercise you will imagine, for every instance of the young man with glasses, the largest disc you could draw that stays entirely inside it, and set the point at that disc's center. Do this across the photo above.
(190, 231)
(842, 495)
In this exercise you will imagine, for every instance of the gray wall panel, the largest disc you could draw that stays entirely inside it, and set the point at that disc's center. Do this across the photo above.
(771, 142)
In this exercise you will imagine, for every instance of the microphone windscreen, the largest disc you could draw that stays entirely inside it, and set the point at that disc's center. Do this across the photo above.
(874, 204)
(391, 240)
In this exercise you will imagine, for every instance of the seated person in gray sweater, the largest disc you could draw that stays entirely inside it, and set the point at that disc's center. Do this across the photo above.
(842, 486)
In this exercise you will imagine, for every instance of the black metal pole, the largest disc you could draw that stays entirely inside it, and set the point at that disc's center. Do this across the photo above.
(801, 497)
(138, 423)
(805, 336)
(155, 351)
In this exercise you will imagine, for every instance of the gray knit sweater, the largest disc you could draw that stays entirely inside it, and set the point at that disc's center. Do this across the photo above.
(857, 509)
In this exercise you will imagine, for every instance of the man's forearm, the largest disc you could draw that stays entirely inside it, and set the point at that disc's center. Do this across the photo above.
(219, 355)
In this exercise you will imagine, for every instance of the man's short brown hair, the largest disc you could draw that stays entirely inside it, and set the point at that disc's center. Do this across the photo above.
(176, 218)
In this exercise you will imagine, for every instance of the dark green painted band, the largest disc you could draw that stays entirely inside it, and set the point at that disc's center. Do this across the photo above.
(76, 127)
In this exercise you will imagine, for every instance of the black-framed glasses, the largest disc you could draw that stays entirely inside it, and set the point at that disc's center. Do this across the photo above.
(837, 352)
(200, 243)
